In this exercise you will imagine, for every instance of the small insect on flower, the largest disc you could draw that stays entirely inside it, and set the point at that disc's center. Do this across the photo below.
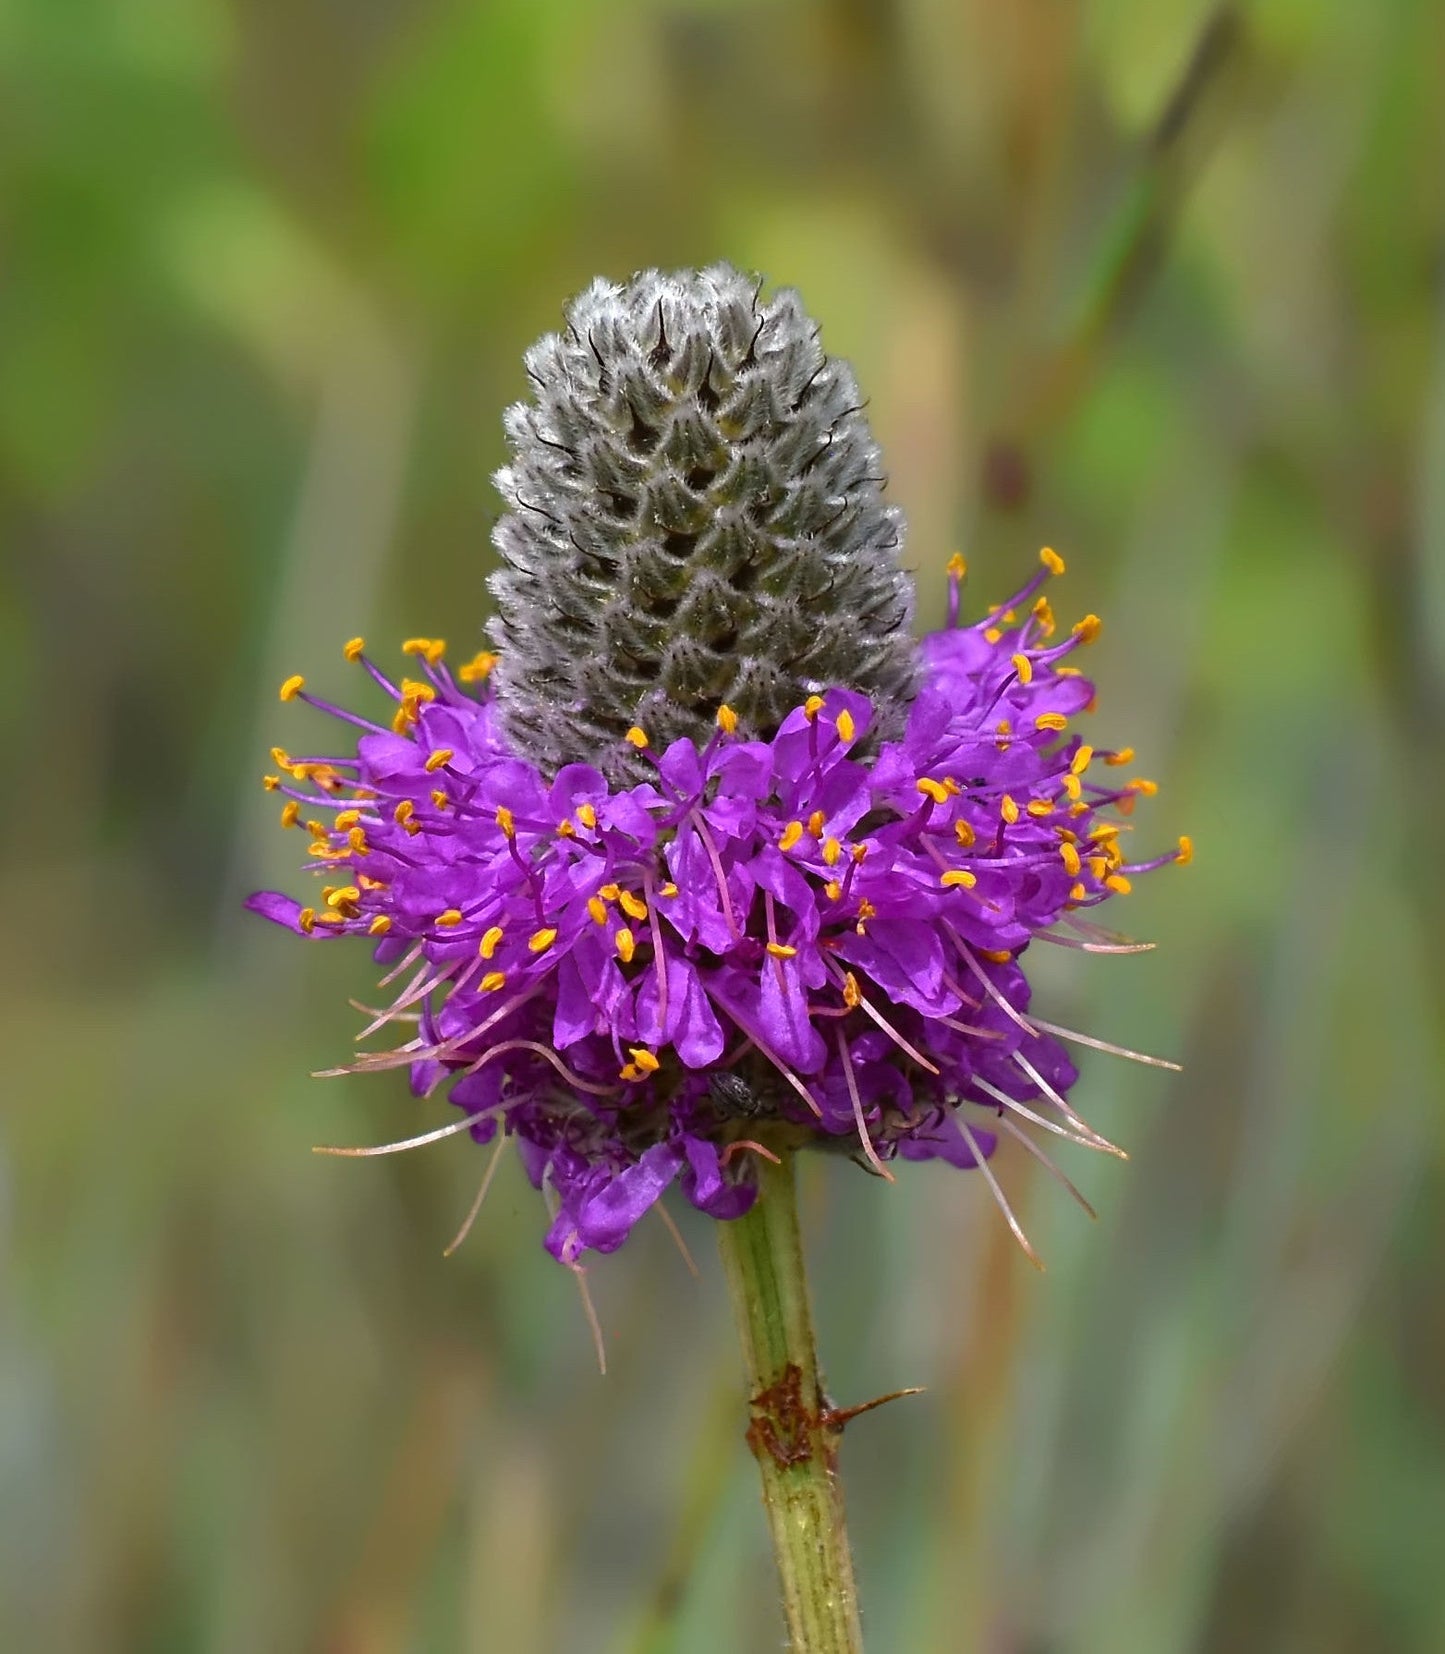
(709, 854)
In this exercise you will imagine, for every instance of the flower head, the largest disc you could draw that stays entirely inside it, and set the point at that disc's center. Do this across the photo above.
(771, 927)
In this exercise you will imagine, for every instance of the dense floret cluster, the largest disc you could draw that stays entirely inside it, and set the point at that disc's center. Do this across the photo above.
(809, 938)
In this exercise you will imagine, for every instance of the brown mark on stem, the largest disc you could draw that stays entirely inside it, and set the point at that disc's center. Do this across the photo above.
(786, 1425)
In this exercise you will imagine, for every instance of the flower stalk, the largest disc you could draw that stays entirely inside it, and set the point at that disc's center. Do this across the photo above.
(792, 1432)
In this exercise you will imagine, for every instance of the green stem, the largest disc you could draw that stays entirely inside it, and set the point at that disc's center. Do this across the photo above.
(792, 1431)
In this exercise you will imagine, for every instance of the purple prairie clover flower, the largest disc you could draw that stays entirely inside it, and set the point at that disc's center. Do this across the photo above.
(650, 932)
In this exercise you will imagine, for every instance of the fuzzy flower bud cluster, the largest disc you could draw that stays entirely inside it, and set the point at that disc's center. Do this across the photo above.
(711, 863)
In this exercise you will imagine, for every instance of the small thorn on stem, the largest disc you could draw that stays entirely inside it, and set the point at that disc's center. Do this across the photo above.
(835, 1418)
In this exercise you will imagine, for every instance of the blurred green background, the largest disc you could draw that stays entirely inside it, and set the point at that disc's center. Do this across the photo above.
(1158, 283)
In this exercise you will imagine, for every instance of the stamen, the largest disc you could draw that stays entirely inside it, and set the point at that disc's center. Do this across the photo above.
(1104, 1045)
(998, 1195)
(579, 1274)
(1003, 1099)
(1047, 1162)
(502, 1140)
(1051, 560)
(857, 1102)
(292, 687)
(676, 1233)
(1076, 1120)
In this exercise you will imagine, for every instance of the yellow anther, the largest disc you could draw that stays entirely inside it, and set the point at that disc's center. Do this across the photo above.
(565, 829)
(1125, 755)
(478, 667)
(330, 919)
(781, 950)
(1073, 786)
(430, 649)
(858, 852)
(932, 789)
(1088, 628)
(540, 940)
(1070, 858)
(368, 883)
(727, 720)
(832, 852)
(866, 909)
(1077, 893)
(292, 687)
(306, 918)
(847, 729)
(1044, 615)
(951, 787)
(492, 981)
(790, 835)
(442, 755)
(636, 737)
(1105, 829)
(833, 890)
(995, 956)
(439, 798)
(1186, 850)
(958, 878)
(812, 707)
(379, 925)
(645, 1059)
(403, 812)
(598, 909)
(610, 892)
(1079, 808)
(1003, 727)
(1148, 788)
(1067, 672)
(353, 647)
(452, 916)
(1055, 721)
(587, 815)
(356, 838)
(506, 822)
(270, 782)
(318, 831)
(1008, 809)
(1051, 560)
(964, 834)
(669, 890)
(633, 906)
(346, 820)
(957, 567)
(1118, 884)
(626, 944)
(1098, 867)
(815, 823)
(1081, 760)
(290, 813)
(492, 939)
(992, 634)
(403, 718)
(345, 896)
(1024, 667)
(852, 993)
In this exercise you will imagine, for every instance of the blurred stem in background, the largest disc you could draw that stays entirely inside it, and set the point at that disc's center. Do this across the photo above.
(793, 1432)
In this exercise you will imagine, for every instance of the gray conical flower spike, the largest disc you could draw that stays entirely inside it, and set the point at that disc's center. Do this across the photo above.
(695, 518)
